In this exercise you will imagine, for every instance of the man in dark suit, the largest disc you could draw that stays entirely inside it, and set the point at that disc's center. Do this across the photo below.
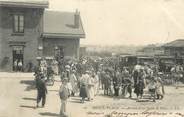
(41, 89)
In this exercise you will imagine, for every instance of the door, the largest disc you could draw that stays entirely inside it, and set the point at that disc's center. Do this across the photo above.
(18, 58)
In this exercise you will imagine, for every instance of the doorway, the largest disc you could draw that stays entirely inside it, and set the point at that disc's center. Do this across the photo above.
(18, 58)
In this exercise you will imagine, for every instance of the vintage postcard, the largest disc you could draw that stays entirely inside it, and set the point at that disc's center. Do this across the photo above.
(91, 58)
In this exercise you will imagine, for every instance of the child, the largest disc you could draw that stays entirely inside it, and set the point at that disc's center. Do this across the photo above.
(152, 87)
(160, 87)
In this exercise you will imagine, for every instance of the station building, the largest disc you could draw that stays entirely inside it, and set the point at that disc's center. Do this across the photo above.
(29, 30)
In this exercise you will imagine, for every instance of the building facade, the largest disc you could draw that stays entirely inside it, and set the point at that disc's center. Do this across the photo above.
(29, 30)
(174, 48)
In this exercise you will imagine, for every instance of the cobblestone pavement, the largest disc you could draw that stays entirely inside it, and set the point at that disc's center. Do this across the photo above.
(18, 99)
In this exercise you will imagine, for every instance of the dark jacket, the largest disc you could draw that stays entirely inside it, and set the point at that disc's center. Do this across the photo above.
(41, 85)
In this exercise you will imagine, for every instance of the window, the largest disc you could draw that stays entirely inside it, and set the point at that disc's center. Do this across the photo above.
(18, 25)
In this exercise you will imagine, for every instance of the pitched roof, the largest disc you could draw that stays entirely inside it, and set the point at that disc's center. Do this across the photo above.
(25, 3)
(61, 25)
(176, 43)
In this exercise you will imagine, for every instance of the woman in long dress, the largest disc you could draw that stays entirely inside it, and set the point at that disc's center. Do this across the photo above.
(55, 67)
(96, 84)
(159, 87)
(73, 81)
(91, 88)
(83, 87)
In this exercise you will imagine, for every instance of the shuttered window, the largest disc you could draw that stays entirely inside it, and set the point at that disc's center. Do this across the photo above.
(18, 25)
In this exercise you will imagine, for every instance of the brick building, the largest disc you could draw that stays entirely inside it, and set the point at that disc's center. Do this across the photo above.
(29, 30)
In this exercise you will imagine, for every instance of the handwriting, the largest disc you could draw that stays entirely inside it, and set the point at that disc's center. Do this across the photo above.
(180, 114)
(146, 113)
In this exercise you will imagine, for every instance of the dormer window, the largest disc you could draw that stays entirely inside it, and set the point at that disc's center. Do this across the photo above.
(18, 23)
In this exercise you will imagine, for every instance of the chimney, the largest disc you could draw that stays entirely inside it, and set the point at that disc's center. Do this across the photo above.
(77, 18)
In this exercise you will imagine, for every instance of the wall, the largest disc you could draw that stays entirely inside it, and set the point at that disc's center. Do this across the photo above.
(70, 46)
(32, 32)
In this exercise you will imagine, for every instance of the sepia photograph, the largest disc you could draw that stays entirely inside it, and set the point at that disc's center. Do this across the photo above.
(91, 58)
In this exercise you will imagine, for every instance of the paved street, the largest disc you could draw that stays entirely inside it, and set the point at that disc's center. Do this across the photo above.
(17, 99)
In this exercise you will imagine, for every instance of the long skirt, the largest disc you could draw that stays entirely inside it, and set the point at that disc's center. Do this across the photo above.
(91, 92)
(160, 90)
(70, 87)
(83, 91)
(96, 88)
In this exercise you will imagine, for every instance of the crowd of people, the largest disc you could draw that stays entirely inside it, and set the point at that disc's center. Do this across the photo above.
(88, 78)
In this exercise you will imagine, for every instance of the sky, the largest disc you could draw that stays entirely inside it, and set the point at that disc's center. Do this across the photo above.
(127, 22)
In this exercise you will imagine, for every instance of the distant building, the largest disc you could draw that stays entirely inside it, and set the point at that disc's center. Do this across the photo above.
(151, 50)
(28, 31)
(174, 48)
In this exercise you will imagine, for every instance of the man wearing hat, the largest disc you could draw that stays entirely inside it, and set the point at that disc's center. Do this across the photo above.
(64, 94)
(41, 89)
(67, 69)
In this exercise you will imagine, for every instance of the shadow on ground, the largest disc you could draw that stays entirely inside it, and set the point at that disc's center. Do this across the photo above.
(30, 84)
(33, 99)
(75, 98)
(27, 82)
(72, 101)
(26, 106)
(106, 96)
(50, 114)
(54, 90)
